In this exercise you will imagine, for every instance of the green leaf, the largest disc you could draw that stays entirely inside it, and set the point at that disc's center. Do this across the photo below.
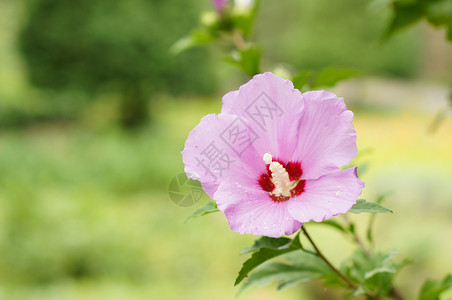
(301, 267)
(301, 79)
(432, 289)
(380, 200)
(439, 12)
(198, 36)
(265, 253)
(308, 261)
(374, 272)
(286, 275)
(362, 206)
(247, 59)
(408, 12)
(449, 33)
(209, 208)
(268, 242)
(331, 223)
(330, 76)
(383, 269)
(405, 262)
(405, 13)
(301, 277)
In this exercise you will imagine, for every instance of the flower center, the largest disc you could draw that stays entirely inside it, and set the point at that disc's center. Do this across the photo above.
(282, 181)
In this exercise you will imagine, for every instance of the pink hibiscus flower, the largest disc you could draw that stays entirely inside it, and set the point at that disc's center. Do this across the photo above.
(271, 158)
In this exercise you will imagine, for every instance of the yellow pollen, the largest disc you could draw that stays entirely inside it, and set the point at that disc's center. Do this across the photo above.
(280, 177)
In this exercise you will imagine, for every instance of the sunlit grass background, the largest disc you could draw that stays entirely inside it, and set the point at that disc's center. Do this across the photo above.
(85, 212)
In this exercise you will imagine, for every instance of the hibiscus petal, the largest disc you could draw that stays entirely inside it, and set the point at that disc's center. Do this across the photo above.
(330, 195)
(249, 209)
(217, 147)
(273, 109)
(327, 138)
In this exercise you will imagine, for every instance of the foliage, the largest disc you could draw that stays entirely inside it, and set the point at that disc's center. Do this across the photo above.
(209, 208)
(77, 226)
(367, 271)
(407, 12)
(438, 13)
(115, 45)
(349, 45)
(433, 288)
(96, 197)
(327, 77)
(300, 267)
(264, 249)
(33, 223)
(231, 29)
(373, 272)
(345, 33)
(32, 107)
(68, 205)
(368, 207)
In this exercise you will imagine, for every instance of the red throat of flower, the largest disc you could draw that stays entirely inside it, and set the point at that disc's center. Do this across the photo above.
(281, 181)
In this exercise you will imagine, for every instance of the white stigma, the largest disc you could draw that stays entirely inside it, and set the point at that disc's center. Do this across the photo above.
(280, 177)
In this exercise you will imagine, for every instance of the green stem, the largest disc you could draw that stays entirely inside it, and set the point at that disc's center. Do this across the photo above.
(350, 283)
(393, 293)
(357, 239)
(238, 40)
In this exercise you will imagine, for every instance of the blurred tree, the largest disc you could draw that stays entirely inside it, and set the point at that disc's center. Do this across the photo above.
(119, 45)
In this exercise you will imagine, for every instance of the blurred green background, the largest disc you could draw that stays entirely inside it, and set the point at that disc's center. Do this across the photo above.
(94, 112)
